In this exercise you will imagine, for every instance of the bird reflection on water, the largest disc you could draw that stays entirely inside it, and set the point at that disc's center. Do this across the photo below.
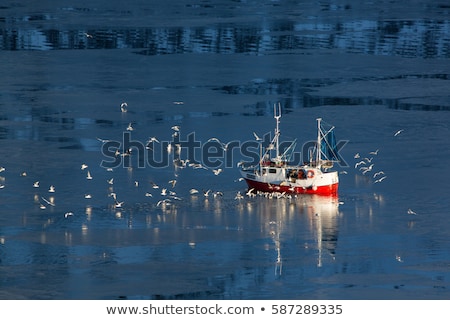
(291, 236)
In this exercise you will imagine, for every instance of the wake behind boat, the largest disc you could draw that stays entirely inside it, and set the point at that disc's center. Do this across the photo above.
(276, 174)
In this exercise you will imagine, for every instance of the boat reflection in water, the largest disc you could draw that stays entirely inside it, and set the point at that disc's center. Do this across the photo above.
(306, 222)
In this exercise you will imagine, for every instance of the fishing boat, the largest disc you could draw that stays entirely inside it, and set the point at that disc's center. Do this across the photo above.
(275, 173)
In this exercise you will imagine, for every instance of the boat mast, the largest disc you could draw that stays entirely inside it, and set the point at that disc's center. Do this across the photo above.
(260, 159)
(277, 116)
(319, 147)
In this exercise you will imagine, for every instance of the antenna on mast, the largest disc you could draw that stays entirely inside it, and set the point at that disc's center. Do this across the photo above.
(319, 145)
(277, 116)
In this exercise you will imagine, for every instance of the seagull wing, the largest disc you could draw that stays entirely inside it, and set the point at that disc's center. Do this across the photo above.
(48, 202)
(256, 136)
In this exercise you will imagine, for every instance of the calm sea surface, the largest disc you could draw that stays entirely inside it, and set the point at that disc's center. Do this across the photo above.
(379, 74)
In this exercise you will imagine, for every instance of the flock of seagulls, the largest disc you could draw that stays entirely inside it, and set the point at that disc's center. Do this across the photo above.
(251, 193)
(366, 165)
(166, 192)
(168, 195)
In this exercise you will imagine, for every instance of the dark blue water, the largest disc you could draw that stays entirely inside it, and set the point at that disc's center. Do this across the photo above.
(215, 69)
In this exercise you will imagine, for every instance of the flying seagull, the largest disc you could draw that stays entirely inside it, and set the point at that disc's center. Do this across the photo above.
(379, 180)
(48, 202)
(379, 173)
(68, 214)
(256, 136)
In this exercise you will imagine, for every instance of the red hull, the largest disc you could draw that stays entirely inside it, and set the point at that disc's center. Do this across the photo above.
(328, 190)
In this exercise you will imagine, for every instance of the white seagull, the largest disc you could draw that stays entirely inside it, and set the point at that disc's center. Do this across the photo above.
(359, 164)
(102, 140)
(411, 212)
(379, 173)
(238, 196)
(256, 137)
(118, 204)
(154, 185)
(164, 202)
(193, 191)
(151, 140)
(197, 166)
(250, 192)
(68, 214)
(379, 180)
(123, 107)
(51, 189)
(48, 202)
(36, 184)
(173, 182)
(367, 169)
(218, 194)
